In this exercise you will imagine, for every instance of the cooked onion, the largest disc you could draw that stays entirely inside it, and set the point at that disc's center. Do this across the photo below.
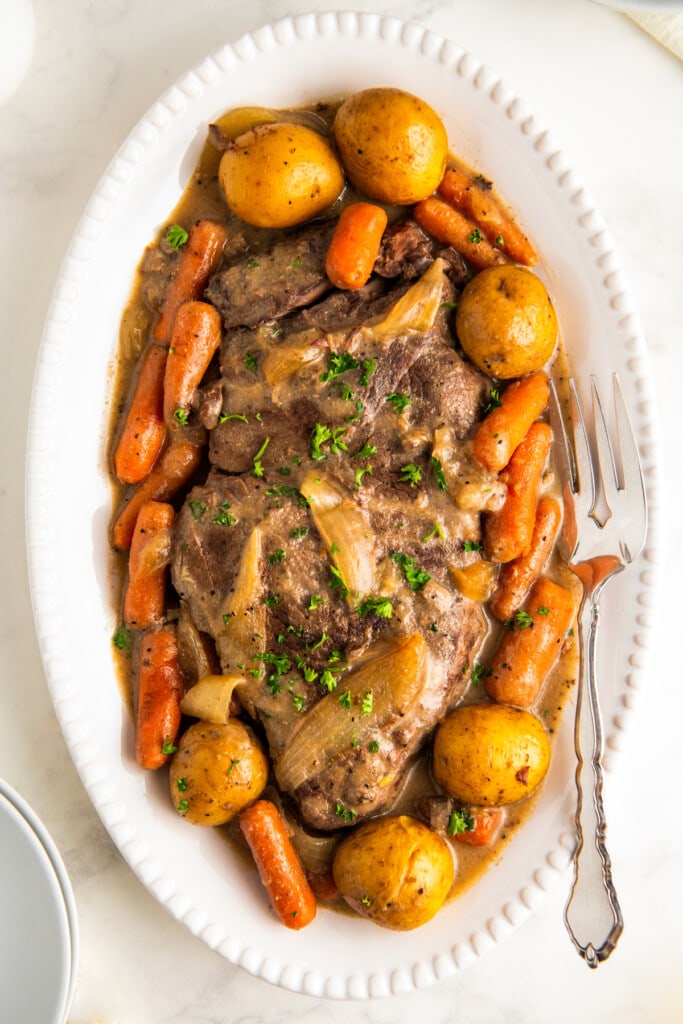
(342, 524)
(151, 554)
(282, 362)
(414, 313)
(195, 660)
(209, 699)
(244, 615)
(393, 671)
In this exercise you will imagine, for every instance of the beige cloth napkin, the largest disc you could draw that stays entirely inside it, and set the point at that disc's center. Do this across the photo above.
(665, 28)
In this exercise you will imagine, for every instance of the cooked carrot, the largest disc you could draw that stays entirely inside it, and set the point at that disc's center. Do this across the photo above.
(507, 533)
(195, 337)
(143, 431)
(173, 469)
(355, 245)
(528, 651)
(278, 864)
(160, 691)
(516, 578)
(501, 431)
(478, 204)
(197, 260)
(144, 604)
(323, 885)
(451, 227)
(486, 822)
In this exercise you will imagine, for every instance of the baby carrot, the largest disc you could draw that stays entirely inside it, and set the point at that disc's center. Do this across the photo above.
(197, 260)
(278, 864)
(507, 533)
(174, 468)
(486, 822)
(145, 602)
(355, 245)
(195, 337)
(478, 204)
(160, 691)
(144, 431)
(516, 577)
(527, 653)
(451, 227)
(501, 431)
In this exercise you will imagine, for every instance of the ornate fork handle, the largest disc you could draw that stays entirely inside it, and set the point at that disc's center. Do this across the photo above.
(592, 914)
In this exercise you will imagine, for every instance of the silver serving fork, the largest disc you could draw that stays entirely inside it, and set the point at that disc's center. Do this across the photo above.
(605, 509)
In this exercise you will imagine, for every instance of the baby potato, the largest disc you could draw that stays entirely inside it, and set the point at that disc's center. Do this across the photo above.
(395, 871)
(490, 754)
(279, 175)
(392, 144)
(216, 772)
(506, 322)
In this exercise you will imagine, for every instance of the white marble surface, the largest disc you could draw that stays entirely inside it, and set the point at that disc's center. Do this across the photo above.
(612, 97)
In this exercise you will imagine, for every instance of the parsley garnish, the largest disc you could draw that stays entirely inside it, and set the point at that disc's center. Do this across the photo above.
(398, 401)
(522, 620)
(493, 401)
(337, 582)
(415, 577)
(373, 746)
(298, 700)
(176, 236)
(253, 263)
(360, 473)
(271, 600)
(368, 367)
(223, 418)
(233, 764)
(366, 452)
(321, 435)
(251, 361)
(380, 606)
(197, 508)
(356, 415)
(345, 813)
(121, 638)
(366, 703)
(459, 822)
(477, 672)
(276, 556)
(328, 681)
(310, 674)
(288, 492)
(223, 518)
(182, 806)
(323, 640)
(475, 236)
(439, 474)
(543, 610)
(258, 465)
(339, 364)
(500, 240)
(315, 601)
(472, 545)
(436, 531)
(298, 532)
(168, 746)
(181, 783)
(181, 417)
(411, 474)
(345, 699)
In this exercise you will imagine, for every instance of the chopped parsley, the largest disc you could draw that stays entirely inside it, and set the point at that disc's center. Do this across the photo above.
(414, 576)
(475, 236)
(436, 531)
(373, 746)
(338, 364)
(345, 699)
(360, 473)
(366, 452)
(251, 361)
(315, 600)
(121, 638)
(223, 517)
(472, 545)
(310, 674)
(379, 606)
(357, 414)
(182, 806)
(298, 532)
(181, 417)
(366, 703)
(321, 435)
(328, 681)
(368, 367)
(298, 700)
(493, 401)
(197, 508)
(297, 261)
(279, 663)
(521, 619)
(168, 746)
(323, 640)
(284, 491)
(345, 813)
(176, 236)
(411, 474)
(277, 556)
(258, 465)
(253, 263)
(271, 600)
(543, 610)
(181, 783)
(439, 474)
(500, 240)
(337, 582)
(223, 418)
(366, 901)
(398, 401)
(233, 764)
(477, 672)
(460, 821)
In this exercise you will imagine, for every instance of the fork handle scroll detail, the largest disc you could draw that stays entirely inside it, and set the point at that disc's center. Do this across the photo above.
(592, 914)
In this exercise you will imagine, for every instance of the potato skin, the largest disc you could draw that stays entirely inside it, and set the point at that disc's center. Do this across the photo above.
(216, 772)
(394, 871)
(490, 755)
(279, 175)
(506, 322)
(392, 144)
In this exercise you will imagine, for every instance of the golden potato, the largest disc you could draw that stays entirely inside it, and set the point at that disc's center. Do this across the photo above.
(506, 322)
(490, 754)
(395, 871)
(216, 772)
(279, 175)
(393, 145)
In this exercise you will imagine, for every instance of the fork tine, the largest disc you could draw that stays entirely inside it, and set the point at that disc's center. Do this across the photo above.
(585, 472)
(633, 485)
(607, 467)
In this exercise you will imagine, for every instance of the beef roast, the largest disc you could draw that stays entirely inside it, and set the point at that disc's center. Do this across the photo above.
(323, 534)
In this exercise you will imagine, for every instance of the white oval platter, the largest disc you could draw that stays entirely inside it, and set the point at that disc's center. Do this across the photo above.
(192, 872)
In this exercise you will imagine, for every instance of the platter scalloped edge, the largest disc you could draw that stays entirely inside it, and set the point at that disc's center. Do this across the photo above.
(43, 484)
